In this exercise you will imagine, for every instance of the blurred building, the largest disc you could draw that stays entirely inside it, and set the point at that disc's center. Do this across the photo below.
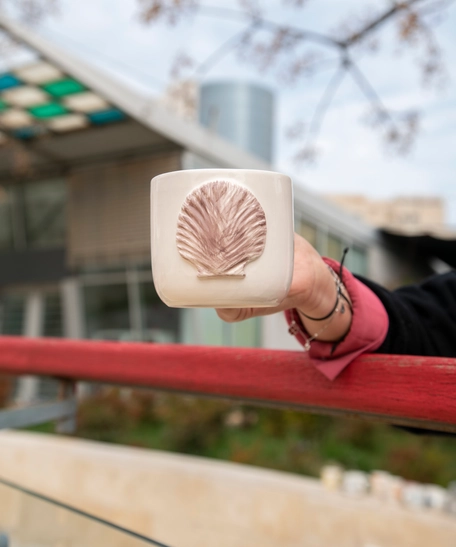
(242, 113)
(404, 212)
(79, 150)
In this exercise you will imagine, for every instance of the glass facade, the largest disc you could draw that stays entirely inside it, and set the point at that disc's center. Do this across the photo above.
(307, 231)
(14, 322)
(335, 247)
(12, 314)
(6, 224)
(329, 244)
(13, 305)
(33, 215)
(52, 315)
(106, 311)
(242, 113)
(161, 323)
(245, 334)
(123, 305)
(202, 326)
(52, 326)
(357, 260)
(45, 213)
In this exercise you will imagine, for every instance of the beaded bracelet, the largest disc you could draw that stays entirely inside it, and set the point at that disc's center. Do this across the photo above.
(295, 327)
(338, 295)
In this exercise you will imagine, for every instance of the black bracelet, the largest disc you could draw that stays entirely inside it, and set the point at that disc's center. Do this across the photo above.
(339, 293)
(339, 281)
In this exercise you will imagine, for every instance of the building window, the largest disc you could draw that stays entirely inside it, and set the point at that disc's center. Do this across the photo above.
(12, 314)
(53, 320)
(124, 305)
(159, 322)
(45, 213)
(33, 215)
(246, 334)
(6, 225)
(307, 231)
(356, 260)
(202, 326)
(52, 326)
(335, 247)
(106, 311)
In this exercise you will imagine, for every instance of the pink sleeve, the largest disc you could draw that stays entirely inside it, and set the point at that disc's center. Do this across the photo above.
(368, 329)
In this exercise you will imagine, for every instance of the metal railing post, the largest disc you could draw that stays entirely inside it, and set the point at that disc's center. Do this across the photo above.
(67, 391)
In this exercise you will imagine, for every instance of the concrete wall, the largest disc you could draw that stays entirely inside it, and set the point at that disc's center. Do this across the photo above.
(401, 212)
(193, 502)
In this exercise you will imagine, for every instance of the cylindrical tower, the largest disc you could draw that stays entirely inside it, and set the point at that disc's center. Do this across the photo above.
(242, 113)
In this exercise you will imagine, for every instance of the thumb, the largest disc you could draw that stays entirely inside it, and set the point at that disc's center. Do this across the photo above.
(231, 315)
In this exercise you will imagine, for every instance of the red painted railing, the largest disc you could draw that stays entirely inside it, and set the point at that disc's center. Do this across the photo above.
(410, 391)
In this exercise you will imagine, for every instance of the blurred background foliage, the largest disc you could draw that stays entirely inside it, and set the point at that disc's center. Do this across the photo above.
(273, 438)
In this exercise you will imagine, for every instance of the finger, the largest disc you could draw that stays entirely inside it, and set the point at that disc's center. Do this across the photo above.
(234, 315)
(230, 315)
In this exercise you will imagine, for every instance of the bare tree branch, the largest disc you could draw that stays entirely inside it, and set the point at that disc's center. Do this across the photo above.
(400, 130)
(30, 11)
(369, 92)
(226, 48)
(308, 64)
(436, 7)
(325, 101)
(296, 32)
(379, 21)
(287, 46)
(295, 3)
(414, 31)
(182, 62)
(308, 152)
(170, 10)
(252, 7)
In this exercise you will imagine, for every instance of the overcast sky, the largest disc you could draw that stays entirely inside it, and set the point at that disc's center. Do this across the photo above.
(353, 160)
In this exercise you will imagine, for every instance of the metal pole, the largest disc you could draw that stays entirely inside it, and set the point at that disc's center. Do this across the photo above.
(34, 315)
(67, 392)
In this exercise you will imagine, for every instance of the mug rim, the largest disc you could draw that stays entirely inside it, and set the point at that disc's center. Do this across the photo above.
(221, 170)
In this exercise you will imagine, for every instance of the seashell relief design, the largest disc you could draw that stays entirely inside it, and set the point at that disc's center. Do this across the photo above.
(220, 229)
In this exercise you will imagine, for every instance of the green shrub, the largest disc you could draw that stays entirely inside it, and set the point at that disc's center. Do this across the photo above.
(279, 439)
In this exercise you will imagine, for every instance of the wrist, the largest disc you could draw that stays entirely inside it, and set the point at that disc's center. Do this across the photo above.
(329, 319)
(322, 299)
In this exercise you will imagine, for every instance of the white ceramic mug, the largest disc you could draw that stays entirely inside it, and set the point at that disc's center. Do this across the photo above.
(222, 237)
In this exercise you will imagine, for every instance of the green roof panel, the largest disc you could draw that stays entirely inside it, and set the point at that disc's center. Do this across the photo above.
(61, 88)
(48, 110)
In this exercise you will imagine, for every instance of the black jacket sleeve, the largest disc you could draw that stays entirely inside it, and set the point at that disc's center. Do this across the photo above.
(422, 318)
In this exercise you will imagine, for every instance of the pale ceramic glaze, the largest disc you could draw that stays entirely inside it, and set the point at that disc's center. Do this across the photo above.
(222, 237)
